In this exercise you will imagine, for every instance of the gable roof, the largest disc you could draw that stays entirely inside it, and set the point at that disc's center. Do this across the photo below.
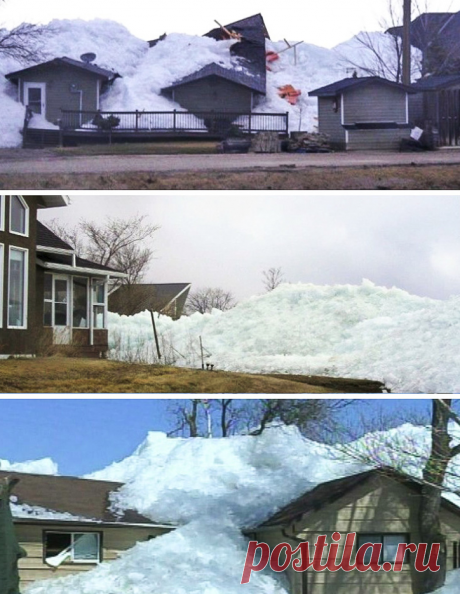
(343, 85)
(436, 82)
(240, 76)
(129, 300)
(85, 499)
(250, 27)
(330, 491)
(46, 238)
(92, 68)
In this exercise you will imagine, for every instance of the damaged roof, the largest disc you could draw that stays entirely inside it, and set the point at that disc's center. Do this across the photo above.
(129, 300)
(251, 68)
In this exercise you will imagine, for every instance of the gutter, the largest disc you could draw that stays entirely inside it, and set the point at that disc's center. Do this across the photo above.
(75, 269)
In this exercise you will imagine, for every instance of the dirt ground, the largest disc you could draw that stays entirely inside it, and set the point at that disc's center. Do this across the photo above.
(61, 170)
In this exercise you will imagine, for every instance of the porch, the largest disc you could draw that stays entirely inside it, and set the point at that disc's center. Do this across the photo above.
(78, 127)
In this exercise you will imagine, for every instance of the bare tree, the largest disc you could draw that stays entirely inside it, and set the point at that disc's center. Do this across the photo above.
(24, 43)
(436, 471)
(118, 243)
(273, 277)
(206, 299)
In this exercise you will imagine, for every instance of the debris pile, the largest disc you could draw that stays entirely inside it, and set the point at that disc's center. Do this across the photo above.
(266, 142)
(307, 142)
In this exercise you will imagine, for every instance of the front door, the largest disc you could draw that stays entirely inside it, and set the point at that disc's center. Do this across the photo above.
(35, 97)
(62, 330)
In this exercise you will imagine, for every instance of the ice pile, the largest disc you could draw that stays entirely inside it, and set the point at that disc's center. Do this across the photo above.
(408, 342)
(43, 466)
(146, 70)
(213, 488)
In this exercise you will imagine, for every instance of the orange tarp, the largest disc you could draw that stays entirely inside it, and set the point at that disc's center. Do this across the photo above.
(289, 93)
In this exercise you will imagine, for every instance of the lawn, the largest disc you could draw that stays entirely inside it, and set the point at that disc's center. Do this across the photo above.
(426, 177)
(75, 375)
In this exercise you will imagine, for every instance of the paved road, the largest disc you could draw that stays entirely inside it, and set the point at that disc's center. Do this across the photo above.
(49, 163)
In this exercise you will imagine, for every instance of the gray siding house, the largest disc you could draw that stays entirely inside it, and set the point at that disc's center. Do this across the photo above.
(62, 83)
(364, 113)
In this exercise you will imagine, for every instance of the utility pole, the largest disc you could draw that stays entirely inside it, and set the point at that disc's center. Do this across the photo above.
(406, 53)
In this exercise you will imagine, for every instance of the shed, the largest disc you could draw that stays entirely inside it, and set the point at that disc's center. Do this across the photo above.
(66, 524)
(364, 113)
(380, 506)
(61, 83)
(166, 298)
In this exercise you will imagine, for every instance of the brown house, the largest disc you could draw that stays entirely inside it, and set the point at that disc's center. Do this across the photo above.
(62, 83)
(380, 506)
(48, 295)
(66, 526)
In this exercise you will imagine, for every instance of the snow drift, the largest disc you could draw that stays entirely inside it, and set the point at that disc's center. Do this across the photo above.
(43, 466)
(212, 488)
(146, 70)
(408, 342)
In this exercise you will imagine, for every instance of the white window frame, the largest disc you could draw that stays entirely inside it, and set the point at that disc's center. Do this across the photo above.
(94, 303)
(2, 213)
(26, 216)
(25, 304)
(2, 270)
(73, 535)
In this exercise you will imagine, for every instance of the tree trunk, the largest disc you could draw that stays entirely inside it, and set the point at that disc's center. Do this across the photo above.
(430, 499)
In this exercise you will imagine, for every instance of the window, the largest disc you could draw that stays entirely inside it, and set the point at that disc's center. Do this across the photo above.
(19, 216)
(72, 547)
(99, 305)
(390, 544)
(56, 302)
(2, 213)
(80, 303)
(17, 288)
(456, 554)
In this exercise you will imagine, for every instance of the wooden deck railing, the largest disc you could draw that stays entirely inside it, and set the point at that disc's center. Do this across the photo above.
(175, 122)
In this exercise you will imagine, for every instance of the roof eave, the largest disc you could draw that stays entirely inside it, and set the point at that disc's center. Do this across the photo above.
(81, 269)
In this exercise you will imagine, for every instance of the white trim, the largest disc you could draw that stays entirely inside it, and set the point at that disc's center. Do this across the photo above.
(2, 213)
(80, 270)
(2, 271)
(26, 216)
(407, 108)
(176, 297)
(36, 85)
(98, 94)
(25, 304)
(342, 108)
(51, 250)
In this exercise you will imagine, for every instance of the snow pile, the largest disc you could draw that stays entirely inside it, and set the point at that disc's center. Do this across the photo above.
(145, 71)
(214, 487)
(43, 466)
(452, 583)
(23, 510)
(410, 343)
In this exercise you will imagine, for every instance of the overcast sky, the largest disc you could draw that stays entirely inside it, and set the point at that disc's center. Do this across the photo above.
(322, 23)
(412, 242)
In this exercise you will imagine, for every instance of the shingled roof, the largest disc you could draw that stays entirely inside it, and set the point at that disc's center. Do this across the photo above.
(347, 83)
(46, 238)
(83, 498)
(330, 491)
(88, 67)
(436, 82)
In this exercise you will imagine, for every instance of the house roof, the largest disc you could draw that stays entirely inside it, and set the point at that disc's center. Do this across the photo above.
(330, 491)
(436, 82)
(343, 85)
(427, 26)
(88, 67)
(46, 238)
(250, 27)
(129, 300)
(51, 201)
(83, 498)
(49, 240)
(241, 76)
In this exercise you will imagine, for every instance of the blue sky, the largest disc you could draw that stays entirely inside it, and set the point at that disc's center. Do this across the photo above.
(84, 435)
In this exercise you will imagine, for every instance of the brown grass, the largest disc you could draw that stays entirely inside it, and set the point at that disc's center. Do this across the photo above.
(64, 375)
(426, 177)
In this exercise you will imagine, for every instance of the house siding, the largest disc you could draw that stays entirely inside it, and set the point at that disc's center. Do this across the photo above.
(380, 506)
(376, 139)
(375, 103)
(115, 540)
(58, 79)
(329, 122)
(213, 94)
(12, 340)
